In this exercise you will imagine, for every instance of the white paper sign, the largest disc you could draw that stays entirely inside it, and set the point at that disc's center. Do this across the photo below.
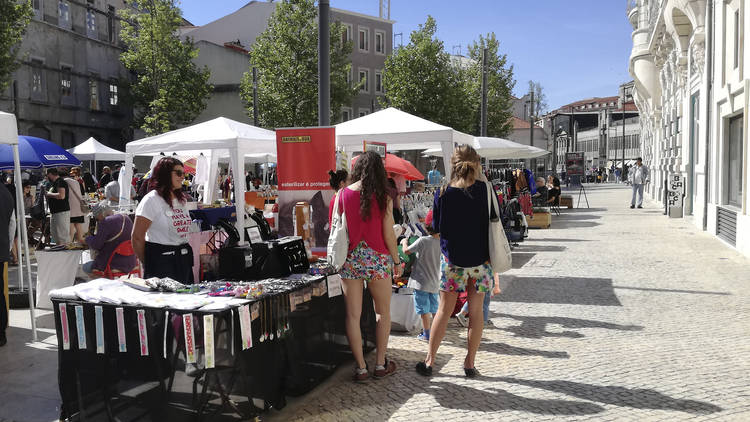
(334, 285)
(246, 327)
(208, 339)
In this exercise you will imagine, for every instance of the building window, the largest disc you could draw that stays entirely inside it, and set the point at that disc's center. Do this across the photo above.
(364, 39)
(111, 24)
(114, 99)
(38, 7)
(364, 79)
(379, 82)
(346, 114)
(63, 14)
(66, 82)
(363, 112)
(736, 39)
(93, 93)
(67, 139)
(380, 42)
(37, 80)
(733, 168)
(91, 23)
(347, 34)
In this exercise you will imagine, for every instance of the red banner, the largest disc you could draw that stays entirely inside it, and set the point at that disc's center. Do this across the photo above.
(304, 157)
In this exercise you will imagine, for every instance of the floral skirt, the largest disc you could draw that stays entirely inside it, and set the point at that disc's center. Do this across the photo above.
(455, 279)
(365, 263)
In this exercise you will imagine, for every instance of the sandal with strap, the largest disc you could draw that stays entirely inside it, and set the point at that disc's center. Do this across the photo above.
(361, 376)
(388, 368)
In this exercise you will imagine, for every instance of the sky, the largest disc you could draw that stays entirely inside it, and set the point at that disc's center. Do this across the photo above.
(576, 49)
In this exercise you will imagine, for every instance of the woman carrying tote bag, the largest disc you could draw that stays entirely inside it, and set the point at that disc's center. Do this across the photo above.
(462, 214)
(372, 256)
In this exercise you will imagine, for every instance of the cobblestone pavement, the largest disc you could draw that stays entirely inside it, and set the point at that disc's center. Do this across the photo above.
(612, 314)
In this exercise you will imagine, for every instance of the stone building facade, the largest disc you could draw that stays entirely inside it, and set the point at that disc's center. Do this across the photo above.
(69, 83)
(692, 90)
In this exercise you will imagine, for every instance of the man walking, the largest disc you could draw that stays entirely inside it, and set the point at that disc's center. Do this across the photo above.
(6, 209)
(59, 208)
(640, 178)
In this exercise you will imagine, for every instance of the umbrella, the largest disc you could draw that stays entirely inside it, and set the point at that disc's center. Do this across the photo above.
(189, 166)
(37, 153)
(394, 164)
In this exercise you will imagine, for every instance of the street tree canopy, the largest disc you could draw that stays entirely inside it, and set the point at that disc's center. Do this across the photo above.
(14, 17)
(500, 84)
(286, 58)
(169, 89)
(422, 79)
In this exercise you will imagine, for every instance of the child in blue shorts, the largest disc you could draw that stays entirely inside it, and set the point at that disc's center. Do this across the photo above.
(425, 275)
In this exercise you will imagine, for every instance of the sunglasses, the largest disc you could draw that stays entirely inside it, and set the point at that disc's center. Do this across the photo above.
(179, 173)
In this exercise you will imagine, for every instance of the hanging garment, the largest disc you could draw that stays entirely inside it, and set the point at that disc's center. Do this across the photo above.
(530, 180)
(525, 200)
(201, 170)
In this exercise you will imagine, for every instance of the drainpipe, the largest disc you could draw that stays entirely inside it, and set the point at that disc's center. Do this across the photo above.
(709, 98)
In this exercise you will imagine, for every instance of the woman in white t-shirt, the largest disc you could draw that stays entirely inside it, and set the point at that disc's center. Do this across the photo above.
(162, 223)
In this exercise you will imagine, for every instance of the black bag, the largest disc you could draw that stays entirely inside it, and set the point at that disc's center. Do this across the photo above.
(37, 210)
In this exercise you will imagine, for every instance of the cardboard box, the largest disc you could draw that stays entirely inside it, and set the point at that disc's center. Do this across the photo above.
(541, 220)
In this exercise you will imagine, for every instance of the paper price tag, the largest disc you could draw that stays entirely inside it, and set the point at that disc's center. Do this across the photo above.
(120, 317)
(246, 327)
(64, 326)
(298, 298)
(98, 316)
(142, 331)
(254, 311)
(166, 325)
(208, 339)
(232, 324)
(80, 328)
(307, 294)
(187, 322)
(334, 285)
(292, 302)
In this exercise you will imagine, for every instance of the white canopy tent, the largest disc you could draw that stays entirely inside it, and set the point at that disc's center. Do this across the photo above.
(9, 135)
(401, 131)
(93, 150)
(490, 148)
(215, 138)
(529, 152)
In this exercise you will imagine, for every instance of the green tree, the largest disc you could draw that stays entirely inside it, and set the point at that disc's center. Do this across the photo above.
(420, 78)
(14, 17)
(286, 58)
(169, 89)
(500, 84)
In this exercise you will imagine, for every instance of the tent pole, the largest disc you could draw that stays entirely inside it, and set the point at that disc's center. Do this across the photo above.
(22, 236)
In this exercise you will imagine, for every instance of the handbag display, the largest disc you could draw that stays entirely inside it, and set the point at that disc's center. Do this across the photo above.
(338, 239)
(500, 255)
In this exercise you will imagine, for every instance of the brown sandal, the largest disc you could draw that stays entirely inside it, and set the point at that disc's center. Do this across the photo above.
(389, 367)
(361, 376)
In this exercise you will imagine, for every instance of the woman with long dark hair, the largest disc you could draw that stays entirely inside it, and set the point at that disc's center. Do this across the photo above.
(373, 257)
(461, 216)
(162, 223)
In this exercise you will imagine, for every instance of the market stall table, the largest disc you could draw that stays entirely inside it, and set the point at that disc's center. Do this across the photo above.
(296, 333)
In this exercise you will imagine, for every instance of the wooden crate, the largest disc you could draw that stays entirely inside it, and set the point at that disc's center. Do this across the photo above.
(541, 220)
(566, 201)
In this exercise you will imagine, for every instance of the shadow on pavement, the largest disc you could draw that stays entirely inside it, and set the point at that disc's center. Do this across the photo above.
(520, 259)
(577, 216)
(637, 398)
(495, 400)
(692, 292)
(567, 224)
(536, 327)
(560, 290)
(506, 349)
(551, 239)
(542, 248)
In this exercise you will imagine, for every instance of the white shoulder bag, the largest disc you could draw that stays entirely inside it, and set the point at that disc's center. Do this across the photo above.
(338, 239)
(500, 255)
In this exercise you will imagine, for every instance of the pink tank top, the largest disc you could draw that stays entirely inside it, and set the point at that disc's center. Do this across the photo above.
(371, 230)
